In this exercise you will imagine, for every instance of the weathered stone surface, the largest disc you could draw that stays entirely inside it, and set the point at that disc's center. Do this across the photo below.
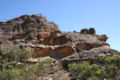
(90, 55)
(56, 52)
(60, 40)
(19, 36)
(62, 52)
(85, 46)
(79, 38)
(92, 31)
(43, 52)
(46, 39)
(88, 31)
(85, 31)
(102, 38)
(37, 60)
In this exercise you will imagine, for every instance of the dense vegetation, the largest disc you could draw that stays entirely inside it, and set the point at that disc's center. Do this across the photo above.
(13, 66)
(108, 68)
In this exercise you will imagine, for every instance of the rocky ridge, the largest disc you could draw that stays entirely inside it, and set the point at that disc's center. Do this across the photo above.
(46, 39)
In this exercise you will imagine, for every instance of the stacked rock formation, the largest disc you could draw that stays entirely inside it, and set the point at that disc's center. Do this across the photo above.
(46, 39)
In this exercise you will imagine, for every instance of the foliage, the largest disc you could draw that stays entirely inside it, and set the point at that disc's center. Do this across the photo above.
(12, 65)
(46, 67)
(108, 67)
(15, 68)
(85, 71)
(111, 65)
(14, 53)
(15, 71)
(110, 60)
(25, 73)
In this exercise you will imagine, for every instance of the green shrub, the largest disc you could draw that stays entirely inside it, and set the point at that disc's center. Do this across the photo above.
(13, 64)
(108, 68)
(14, 53)
(111, 60)
(14, 67)
(15, 71)
(46, 67)
(85, 71)
(111, 65)
(25, 73)
(78, 69)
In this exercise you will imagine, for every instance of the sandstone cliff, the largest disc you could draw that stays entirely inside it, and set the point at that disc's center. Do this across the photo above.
(46, 39)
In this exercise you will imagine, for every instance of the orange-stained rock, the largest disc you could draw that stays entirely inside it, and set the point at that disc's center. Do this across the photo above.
(90, 60)
(60, 40)
(85, 46)
(102, 38)
(53, 39)
(57, 53)
(43, 34)
(43, 52)
(62, 52)
(36, 60)
(19, 36)
(46, 40)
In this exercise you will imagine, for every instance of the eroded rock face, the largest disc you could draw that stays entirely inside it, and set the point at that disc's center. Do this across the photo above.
(85, 46)
(54, 52)
(88, 31)
(91, 56)
(62, 52)
(43, 52)
(60, 40)
(19, 36)
(46, 39)
(102, 38)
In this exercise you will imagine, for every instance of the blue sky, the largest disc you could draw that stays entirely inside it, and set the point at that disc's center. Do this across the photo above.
(69, 15)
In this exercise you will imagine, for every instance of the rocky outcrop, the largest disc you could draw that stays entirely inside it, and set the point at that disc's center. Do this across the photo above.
(88, 31)
(92, 31)
(85, 46)
(92, 56)
(46, 39)
(63, 51)
(43, 52)
(56, 52)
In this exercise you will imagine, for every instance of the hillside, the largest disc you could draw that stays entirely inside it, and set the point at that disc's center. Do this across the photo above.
(45, 39)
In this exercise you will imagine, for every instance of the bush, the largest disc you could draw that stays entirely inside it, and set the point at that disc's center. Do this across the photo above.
(111, 60)
(15, 71)
(111, 65)
(85, 71)
(25, 73)
(14, 67)
(46, 67)
(108, 68)
(14, 53)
